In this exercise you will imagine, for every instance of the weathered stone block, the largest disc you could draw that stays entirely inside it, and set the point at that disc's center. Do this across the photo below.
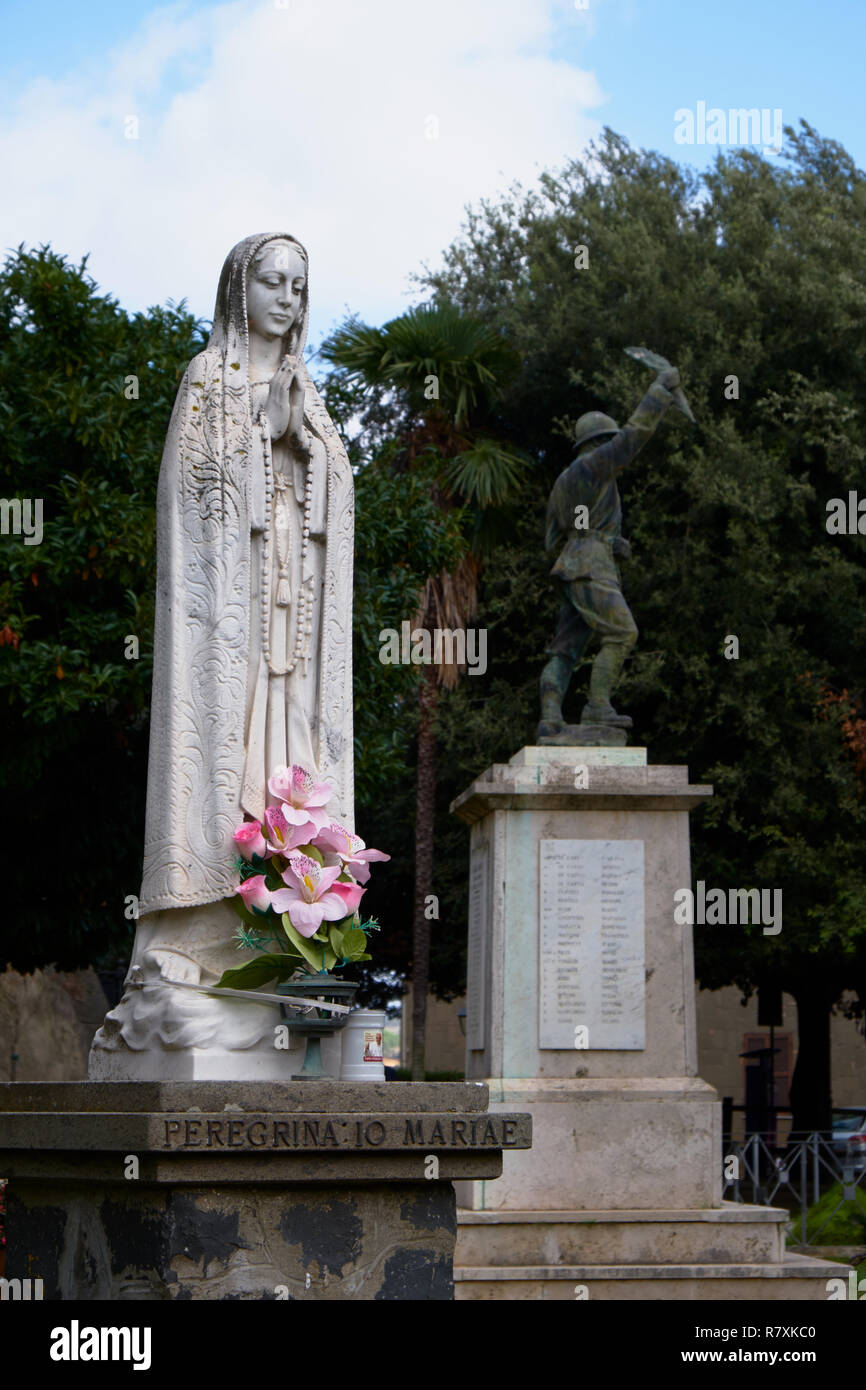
(315, 1190)
(217, 1241)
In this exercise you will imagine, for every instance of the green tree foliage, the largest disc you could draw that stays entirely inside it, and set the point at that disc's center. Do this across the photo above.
(398, 530)
(752, 272)
(78, 433)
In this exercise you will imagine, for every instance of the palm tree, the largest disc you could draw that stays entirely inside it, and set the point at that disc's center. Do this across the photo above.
(441, 367)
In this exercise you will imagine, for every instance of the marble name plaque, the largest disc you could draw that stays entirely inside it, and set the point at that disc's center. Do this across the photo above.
(591, 978)
(346, 1132)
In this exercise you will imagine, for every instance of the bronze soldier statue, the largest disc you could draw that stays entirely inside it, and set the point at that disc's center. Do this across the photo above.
(584, 519)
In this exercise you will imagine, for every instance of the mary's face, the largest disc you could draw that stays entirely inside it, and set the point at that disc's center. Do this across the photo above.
(275, 286)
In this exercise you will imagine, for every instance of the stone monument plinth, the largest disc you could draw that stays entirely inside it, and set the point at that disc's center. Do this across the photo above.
(213, 1190)
(581, 1010)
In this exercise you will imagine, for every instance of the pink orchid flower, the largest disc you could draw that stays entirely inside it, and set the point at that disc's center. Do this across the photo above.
(302, 796)
(255, 894)
(283, 836)
(350, 848)
(310, 897)
(250, 840)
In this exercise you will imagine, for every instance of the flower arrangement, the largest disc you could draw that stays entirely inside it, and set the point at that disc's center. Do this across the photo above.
(301, 879)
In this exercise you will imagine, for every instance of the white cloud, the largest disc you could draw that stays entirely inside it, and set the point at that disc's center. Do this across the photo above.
(309, 118)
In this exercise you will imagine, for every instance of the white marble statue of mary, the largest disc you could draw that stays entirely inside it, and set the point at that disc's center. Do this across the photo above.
(252, 661)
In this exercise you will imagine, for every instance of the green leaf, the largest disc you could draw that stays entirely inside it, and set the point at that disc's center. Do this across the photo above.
(336, 940)
(273, 877)
(311, 852)
(258, 972)
(354, 944)
(312, 954)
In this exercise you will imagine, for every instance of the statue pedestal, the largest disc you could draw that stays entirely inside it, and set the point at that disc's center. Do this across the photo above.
(212, 1190)
(581, 1010)
(274, 1056)
(162, 1030)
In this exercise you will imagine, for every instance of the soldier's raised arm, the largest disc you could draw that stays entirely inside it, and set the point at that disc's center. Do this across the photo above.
(615, 453)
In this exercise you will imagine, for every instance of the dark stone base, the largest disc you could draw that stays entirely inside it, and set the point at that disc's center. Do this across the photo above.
(382, 1241)
(212, 1190)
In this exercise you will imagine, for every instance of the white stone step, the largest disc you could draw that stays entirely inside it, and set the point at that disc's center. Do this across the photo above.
(732, 1233)
(796, 1278)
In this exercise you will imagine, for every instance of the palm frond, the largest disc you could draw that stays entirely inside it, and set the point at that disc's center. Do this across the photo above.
(485, 474)
(468, 359)
(363, 351)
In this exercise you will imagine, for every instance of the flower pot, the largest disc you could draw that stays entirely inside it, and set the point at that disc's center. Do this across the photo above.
(363, 1036)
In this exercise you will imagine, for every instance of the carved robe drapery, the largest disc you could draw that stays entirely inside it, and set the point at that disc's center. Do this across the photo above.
(220, 717)
(206, 643)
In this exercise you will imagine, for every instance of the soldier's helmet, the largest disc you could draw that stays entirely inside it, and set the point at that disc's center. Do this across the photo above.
(592, 425)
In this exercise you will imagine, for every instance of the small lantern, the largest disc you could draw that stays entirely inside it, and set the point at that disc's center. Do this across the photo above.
(314, 1024)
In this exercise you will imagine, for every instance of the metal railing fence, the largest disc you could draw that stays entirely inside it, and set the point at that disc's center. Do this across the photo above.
(801, 1172)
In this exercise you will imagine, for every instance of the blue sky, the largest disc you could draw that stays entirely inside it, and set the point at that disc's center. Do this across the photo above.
(652, 58)
(314, 116)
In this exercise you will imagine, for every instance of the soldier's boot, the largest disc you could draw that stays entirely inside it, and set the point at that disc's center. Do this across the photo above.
(554, 684)
(605, 672)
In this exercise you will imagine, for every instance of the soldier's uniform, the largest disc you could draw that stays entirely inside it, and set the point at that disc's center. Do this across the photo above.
(586, 565)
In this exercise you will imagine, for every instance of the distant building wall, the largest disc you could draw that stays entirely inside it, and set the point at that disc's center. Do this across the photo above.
(726, 1028)
(47, 1023)
(445, 1045)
